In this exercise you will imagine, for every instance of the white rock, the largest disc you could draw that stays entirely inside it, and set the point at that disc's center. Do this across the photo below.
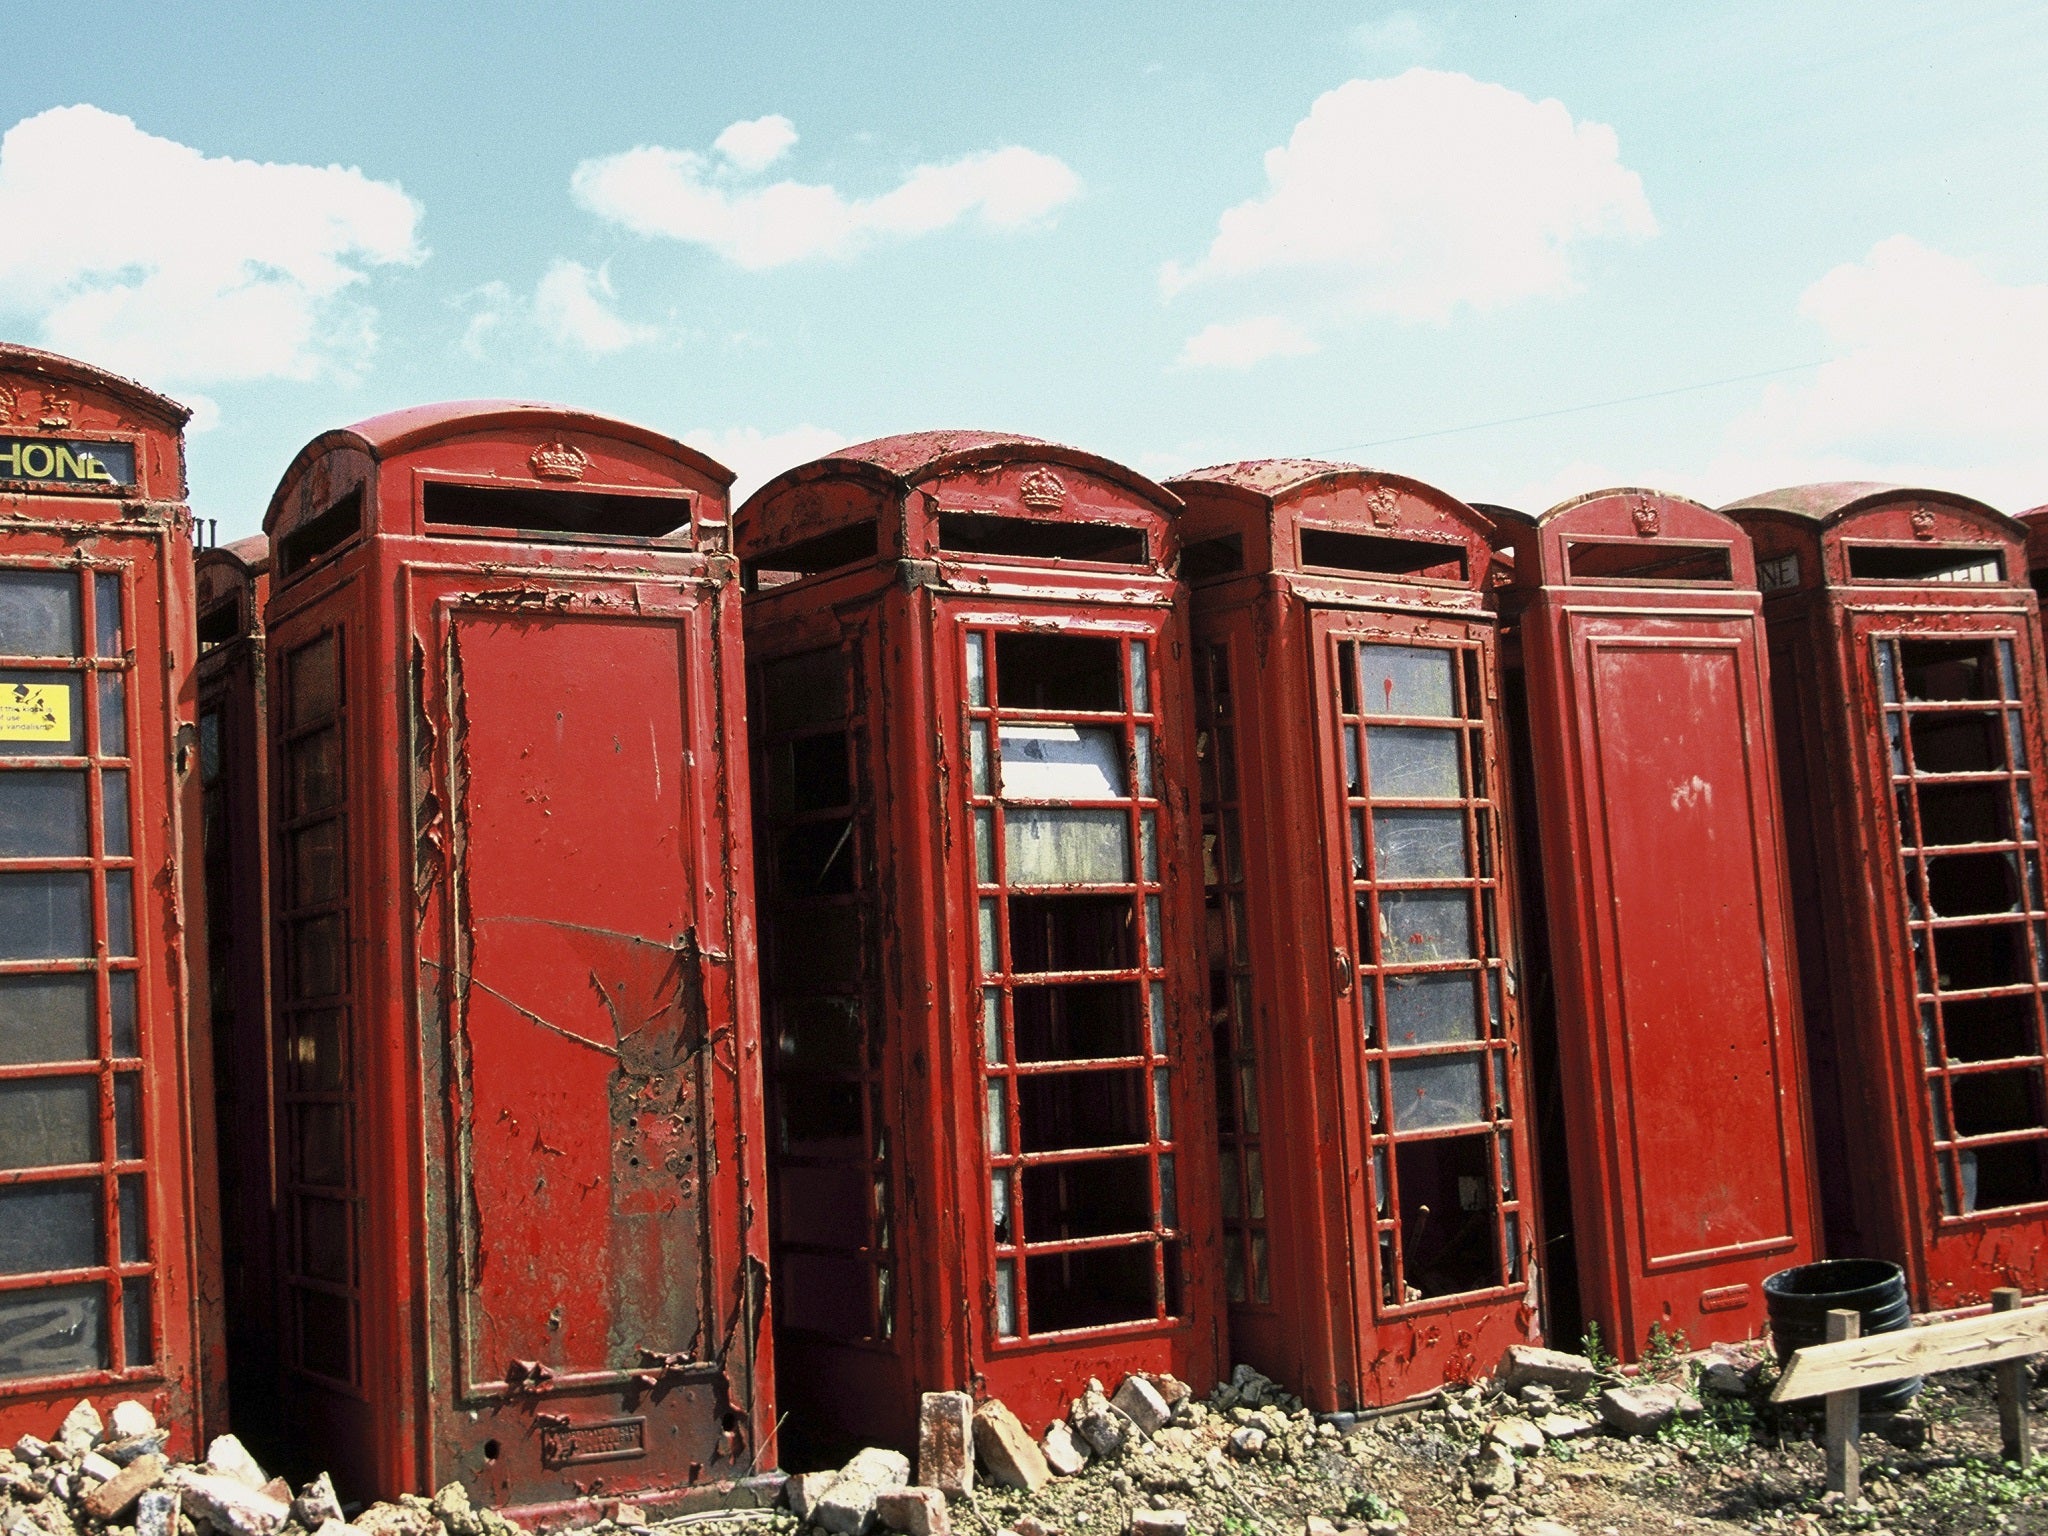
(231, 1505)
(1516, 1434)
(130, 1419)
(81, 1428)
(227, 1457)
(1140, 1402)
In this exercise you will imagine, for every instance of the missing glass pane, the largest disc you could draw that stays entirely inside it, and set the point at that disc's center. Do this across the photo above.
(1036, 671)
(1958, 743)
(1448, 1243)
(1954, 814)
(1986, 955)
(1995, 1178)
(1991, 1103)
(1077, 1021)
(1970, 884)
(1066, 1201)
(1070, 1111)
(1989, 1028)
(1945, 671)
(1093, 1289)
(1072, 933)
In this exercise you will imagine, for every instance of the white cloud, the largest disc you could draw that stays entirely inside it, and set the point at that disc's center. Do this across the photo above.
(758, 457)
(573, 306)
(673, 193)
(147, 256)
(1937, 376)
(1241, 343)
(758, 143)
(1425, 193)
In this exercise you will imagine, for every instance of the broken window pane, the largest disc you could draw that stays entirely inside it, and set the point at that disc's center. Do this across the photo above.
(1951, 814)
(47, 1018)
(1050, 845)
(1431, 1092)
(1958, 743)
(1092, 1289)
(1989, 1103)
(1943, 671)
(1989, 1028)
(1062, 762)
(1997, 1177)
(1407, 680)
(1973, 884)
(1412, 762)
(1096, 1198)
(1987, 955)
(1419, 845)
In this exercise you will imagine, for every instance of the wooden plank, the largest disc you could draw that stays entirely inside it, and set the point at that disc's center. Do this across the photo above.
(1819, 1369)
(1845, 1426)
(2012, 1391)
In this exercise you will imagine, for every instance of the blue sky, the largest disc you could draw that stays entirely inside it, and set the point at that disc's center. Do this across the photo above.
(1171, 234)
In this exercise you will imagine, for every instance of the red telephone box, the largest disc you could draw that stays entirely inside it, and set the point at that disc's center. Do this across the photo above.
(2035, 521)
(232, 583)
(1641, 647)
(988, 1079)
(1907, 665)
(518, 1127)
(1376, 1191)
(106, 1269)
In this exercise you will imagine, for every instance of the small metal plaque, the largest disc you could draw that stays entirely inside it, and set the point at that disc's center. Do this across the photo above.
(563, 1445)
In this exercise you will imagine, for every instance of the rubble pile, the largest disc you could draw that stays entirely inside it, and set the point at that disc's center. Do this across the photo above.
(115, 1479)
(1149, 1459)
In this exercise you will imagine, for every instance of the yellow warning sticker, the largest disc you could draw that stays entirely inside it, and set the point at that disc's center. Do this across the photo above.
(35, 712)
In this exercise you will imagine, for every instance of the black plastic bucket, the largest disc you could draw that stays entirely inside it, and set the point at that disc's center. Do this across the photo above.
(1799, 1301)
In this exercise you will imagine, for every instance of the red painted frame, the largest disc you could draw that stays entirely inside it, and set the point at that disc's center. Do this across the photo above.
(856, 556)
(1642, 649)
(1407, 566)
(1837, 561)
(647, 1423)
(132, 544)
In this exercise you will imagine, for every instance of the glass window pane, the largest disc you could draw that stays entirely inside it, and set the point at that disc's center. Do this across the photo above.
(1141, 682)
(1407, 680)
(128, 1117)
(986, 916)
(318, 966)
(49, 1122)
(1143, 758)
(977, 670)
(1435, 1008)
(998, 1119)
(121, 993)
(49, 1226)
(106, 602)
(1169, 1196)
(1423, 927)
(977, 760)
(40, 714)
(1158, 1010)
(114, 811)
(136, 1333)
(53, 1332)
(324, 1240)
(992, 1025)
(315, 854)
(42, 814)
(1155, 940)
(38, 613)
(313, 766)
(134, 1220)
(47, 1018)
(1435, 1091)
(1162, 1105)
(1148, 838)
(1006, 1298)
(121, 914)
(46, 915)
(1412, 762)
(113, 714)
(320, 1144)
(1047, 845)
(1062, 762)
(1419, 845)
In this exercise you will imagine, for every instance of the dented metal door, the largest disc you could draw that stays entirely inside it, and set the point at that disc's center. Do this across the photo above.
(578, 1044)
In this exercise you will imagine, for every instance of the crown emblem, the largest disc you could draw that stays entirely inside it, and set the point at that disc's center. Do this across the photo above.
(56, 413)
(1382, 504)
(1042, 489)
(1922, 519)
(559, 461)
(1649, 521)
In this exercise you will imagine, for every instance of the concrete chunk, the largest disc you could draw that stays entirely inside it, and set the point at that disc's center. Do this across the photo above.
(130, 1419)
(1007, 1449)
(230, 1505)
(156, 1512)
(804, 1489)
(1565, 1426)
(81, 1428)
(1139, 1401)
(1523, 1364)
(945, 1443)
(316, 1503)
(1105, 1427)
(1642, 1410)
(1159, 1522)
(97, 1467)
(914, 1511)
(226, 1457)
(847, 1508)
(1516, 1434)
(1064, 1453)
(113, 1497)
